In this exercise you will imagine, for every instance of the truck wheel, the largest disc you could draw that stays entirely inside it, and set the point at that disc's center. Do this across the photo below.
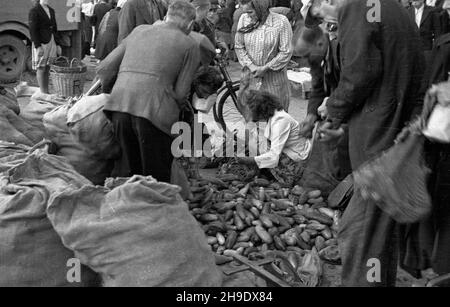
(13, 55)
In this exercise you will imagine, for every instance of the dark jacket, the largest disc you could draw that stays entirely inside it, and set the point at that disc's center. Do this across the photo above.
(107, 39)
(206, 28)
(138, 12)
(445, 22)
(382, 67)
(100, 11)
(153, 80)
(430, 26)
(283, 3)
(440, 65)
(41, 26)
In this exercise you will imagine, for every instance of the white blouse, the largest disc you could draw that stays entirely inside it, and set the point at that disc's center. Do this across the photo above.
(283, 132)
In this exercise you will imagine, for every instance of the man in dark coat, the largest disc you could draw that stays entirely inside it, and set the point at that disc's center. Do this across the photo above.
(153, 82)
(139, 12)
(379, 89)
(427, 20)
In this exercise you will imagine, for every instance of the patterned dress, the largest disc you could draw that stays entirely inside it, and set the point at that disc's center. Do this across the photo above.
(270, 44)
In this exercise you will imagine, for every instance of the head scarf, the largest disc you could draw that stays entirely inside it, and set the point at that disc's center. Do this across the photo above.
(262, 12)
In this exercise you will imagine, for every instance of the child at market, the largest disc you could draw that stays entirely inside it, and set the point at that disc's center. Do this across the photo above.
(288, 150)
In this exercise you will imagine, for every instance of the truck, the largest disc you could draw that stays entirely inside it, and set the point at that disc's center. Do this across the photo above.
(15, 42)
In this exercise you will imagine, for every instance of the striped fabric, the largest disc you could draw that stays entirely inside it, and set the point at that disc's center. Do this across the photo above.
(270, 44)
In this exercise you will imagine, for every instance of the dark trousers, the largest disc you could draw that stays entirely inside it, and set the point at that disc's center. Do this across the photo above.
(146, 150)
(369, 245)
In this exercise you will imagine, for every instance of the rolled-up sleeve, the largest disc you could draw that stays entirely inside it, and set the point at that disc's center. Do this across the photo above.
(279, 135)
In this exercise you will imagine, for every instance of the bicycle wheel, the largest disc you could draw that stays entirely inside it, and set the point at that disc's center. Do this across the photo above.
(227, 97)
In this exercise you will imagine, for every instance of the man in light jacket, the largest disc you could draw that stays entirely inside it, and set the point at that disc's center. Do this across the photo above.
(153, 82)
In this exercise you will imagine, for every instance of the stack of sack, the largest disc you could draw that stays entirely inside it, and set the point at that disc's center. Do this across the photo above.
(15, 128)
(132, 231)
(38, 105)
(31, 252)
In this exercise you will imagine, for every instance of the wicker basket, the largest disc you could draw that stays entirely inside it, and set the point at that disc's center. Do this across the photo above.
(68, 77)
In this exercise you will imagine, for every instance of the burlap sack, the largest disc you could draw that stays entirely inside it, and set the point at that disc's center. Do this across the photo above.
(31, 252)
(93, 168)
(89, 127)
(135, 232)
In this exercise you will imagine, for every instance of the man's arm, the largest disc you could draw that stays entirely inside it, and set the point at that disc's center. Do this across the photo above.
(55, 25)
(317, 94)
(361, 62)
(108, 69)
(436, 24)
(190, 65)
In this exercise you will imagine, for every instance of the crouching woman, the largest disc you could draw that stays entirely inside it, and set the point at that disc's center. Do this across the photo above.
(287, 150)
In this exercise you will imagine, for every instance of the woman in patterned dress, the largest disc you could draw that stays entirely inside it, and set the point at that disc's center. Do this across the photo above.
(264, 44)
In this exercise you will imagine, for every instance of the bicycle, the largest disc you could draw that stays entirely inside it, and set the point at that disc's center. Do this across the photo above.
(229, 90)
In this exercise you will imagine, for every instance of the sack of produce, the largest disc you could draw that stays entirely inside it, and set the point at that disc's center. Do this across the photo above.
(95, 169)
(397, 180)
(8, 149)
(39, 105)
(327, 165)
(89, 126)
(17, 130)
(8, 99)
(31, 252)
(135, 232)
(9, 133)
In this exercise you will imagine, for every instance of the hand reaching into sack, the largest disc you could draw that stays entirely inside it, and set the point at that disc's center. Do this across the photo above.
(328, 133)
